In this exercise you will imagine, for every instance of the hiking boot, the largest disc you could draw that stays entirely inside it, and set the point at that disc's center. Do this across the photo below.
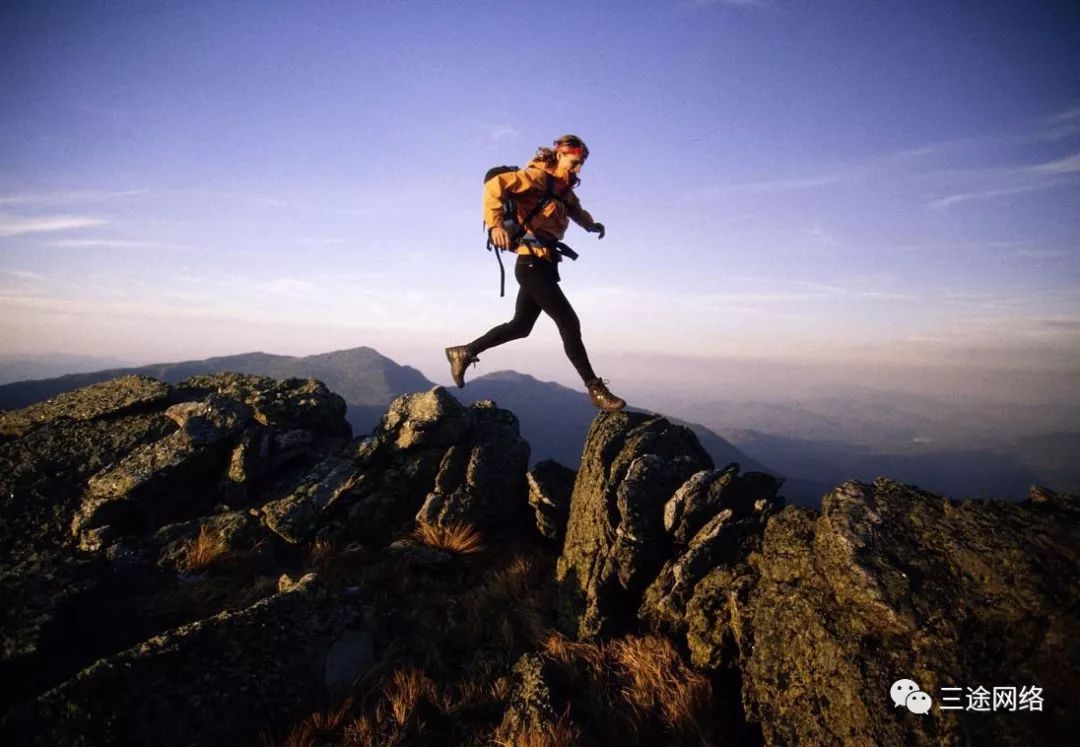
(602, 397)
(460, 357)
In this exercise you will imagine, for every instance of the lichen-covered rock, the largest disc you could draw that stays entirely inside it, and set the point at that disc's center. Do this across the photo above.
(162, 479)
(44, 473)
(482, 480)
(290, 404)
(615, 538)
(238, 532)
(550, 488)
(299, 515)
(217, 681)
(112, 398)
(889, 583)
(425, 419)
(716, 519)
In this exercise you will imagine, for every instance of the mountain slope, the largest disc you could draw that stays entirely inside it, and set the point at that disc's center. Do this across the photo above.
(554, 419)
(366, 379)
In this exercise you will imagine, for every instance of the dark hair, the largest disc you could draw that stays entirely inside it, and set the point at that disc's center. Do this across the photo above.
(548, 155)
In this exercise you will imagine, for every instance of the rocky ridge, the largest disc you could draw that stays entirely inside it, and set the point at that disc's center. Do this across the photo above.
(213, 561)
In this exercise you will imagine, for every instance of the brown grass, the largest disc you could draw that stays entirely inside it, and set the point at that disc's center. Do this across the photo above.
(563, 733)
(633, 686)
(457, 538)
(335, 562)
(407, 688)
(658, 679)
(204, 551)
(317, 728)
(510, 606)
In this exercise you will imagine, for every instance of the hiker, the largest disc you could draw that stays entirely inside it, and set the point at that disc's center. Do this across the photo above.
(542, 196)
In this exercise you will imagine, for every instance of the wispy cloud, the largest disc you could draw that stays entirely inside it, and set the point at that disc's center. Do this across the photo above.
(1015, 181)
(104, 244)
(1067, 165)
(760, 4)
(22, 274)
(948, 201)
(66, 198)
(1063, 125)
(503, 133)
(16, 226)
(294, 287)
(1037, 253)
(770, 186)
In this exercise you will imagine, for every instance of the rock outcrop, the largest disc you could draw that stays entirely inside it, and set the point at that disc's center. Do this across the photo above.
(615, 538)
(214, 681)
(150, 536)
(816, 615)
(118, 497)
(550, 488)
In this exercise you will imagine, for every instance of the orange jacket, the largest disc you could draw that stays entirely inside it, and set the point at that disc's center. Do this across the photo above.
(527, 187)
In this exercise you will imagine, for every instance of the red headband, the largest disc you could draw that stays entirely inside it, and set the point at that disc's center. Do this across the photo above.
(572, 150)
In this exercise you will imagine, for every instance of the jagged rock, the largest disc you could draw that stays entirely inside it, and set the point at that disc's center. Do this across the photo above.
(112, 398)
(425, 419)
(298, 516)
(164, 478)
(890, 582)
(290, 404)
(726, 513)
(264, 450)
(480, 481)
(419, 554)
(217, 681)
(239, 532)
(550, 488)
(615, 538)
(44, 473)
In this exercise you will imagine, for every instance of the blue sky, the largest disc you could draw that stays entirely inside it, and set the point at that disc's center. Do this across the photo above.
(890, 184)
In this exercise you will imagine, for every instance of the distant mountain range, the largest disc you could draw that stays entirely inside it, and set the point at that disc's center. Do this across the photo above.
(22, 368)
(814, 447)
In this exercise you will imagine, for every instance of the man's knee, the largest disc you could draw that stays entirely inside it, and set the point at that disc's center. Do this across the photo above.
(570, 328)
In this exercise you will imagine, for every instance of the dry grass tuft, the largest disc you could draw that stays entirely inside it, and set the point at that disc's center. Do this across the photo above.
(658, 679)
(336, 562)
(204, 551)
(571, 655)
(457, 538)
(510, 605)
(318, 727)
(635, 688)
(407, 688)
(563, 733)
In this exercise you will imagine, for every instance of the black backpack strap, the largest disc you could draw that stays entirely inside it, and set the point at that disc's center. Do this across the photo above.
(549, 195)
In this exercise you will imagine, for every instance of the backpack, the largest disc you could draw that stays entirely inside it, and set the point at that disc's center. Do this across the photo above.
(517, 230)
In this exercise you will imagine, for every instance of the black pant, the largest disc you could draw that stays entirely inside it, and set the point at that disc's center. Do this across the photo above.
(539, 291)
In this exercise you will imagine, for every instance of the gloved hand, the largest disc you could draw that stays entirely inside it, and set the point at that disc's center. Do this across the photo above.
(597, 228)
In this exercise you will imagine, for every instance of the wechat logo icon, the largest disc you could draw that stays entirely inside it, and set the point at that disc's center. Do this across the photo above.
(907, 693)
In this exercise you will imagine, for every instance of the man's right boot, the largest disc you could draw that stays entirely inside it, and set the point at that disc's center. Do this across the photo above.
(460, 357)
(602, 397)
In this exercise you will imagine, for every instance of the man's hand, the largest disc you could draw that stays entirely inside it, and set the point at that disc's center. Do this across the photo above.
(596, 228)
(500, 239)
